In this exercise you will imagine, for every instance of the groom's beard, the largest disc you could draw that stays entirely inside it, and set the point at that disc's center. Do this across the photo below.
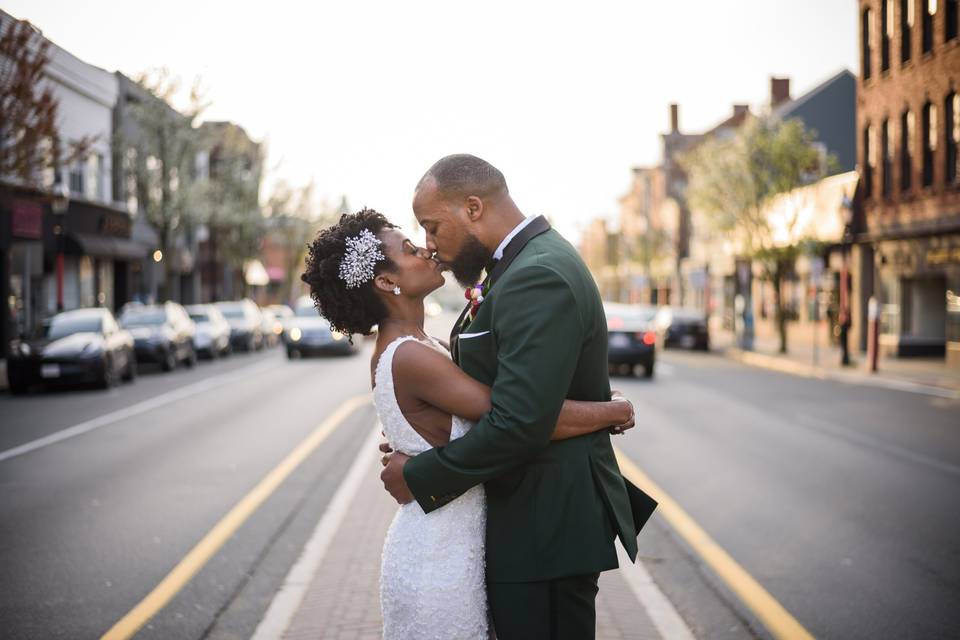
(469, 263)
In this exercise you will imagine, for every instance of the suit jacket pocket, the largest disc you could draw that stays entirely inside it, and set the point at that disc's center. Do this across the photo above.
(478, 355)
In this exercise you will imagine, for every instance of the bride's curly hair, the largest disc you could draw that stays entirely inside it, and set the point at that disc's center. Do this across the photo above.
(349, 311)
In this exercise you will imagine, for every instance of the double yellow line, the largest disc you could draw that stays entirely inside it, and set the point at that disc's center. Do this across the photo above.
(194, 561)
(770, 612)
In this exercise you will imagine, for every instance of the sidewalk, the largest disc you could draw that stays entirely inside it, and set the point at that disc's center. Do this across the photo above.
(929, 376)
(333, 590)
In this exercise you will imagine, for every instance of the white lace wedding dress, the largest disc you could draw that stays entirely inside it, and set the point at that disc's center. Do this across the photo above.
(432, 573)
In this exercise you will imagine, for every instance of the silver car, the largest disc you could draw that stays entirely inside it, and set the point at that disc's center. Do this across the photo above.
(212, 338)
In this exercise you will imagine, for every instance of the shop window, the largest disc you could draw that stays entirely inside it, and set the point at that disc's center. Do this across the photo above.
(907, 13)
(929, 141)
(907, 138)
(886, 33)
(951, 120)
(866, 35)
(887, 151)
(929, 9)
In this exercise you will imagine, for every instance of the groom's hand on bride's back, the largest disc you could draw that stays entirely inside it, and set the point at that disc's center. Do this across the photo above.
(392, 474)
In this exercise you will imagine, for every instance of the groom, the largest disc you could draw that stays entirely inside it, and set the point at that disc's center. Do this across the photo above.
(539, 336)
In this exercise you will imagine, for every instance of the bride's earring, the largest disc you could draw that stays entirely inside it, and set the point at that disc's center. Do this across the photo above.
(396, 291)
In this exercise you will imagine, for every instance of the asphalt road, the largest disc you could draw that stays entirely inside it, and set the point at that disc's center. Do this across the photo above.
(843, 501)
(840, 500)
(91, 524)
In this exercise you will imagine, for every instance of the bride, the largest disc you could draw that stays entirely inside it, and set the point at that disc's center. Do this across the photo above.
(364, 273)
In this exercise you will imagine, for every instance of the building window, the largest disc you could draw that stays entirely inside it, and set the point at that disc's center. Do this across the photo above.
(887, 150)
(866, 35)
(951, 118)
(950, 27)
(928, 12)
(907, 13)
(869, 161)
(929, 141)
(907, 138)
(94, 185)
(886, 33)
(76, 177)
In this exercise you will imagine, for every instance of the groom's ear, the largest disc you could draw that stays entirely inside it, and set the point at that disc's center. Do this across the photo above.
(474, 208)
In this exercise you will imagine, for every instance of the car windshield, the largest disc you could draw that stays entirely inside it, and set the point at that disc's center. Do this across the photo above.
(199, 316)
(233, 312)
(307, 311)
(65, 325)
(143, 318)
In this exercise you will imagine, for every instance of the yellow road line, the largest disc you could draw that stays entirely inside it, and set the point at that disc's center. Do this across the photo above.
(774, 617)
(211, 543)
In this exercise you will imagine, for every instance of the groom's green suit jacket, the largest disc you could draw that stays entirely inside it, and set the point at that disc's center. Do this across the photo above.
(553, 508)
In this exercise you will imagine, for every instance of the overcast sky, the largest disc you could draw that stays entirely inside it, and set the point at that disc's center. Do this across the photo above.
(563, 97)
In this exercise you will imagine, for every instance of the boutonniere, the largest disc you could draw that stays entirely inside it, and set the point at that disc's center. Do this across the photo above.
(474, 295)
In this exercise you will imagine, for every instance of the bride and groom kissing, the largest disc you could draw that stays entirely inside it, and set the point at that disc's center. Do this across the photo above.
(498, 442)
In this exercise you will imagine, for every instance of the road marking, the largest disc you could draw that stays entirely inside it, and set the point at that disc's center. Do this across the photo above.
(660, 610)
(204, 550)
(771, 613)
(288, 599)
(138, 408)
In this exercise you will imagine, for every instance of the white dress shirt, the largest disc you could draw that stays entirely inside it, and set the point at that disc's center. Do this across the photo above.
(498, 254)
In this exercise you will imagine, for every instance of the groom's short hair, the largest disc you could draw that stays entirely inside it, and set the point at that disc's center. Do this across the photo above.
(462, 175)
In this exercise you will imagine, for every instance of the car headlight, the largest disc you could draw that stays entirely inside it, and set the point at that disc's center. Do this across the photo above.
(336, 335)
(21, 348)
(296, 334)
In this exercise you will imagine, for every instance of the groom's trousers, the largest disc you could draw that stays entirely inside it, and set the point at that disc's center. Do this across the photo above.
(561, 609)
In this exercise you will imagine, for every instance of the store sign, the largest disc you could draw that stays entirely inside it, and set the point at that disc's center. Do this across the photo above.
(943, 255)
(27, 220)
(116, 225)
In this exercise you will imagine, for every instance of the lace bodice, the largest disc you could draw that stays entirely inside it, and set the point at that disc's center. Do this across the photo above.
(432, 583)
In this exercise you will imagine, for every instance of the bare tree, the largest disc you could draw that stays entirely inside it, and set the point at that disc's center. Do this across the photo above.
(30, 145)
(293, 218)
(732, 181)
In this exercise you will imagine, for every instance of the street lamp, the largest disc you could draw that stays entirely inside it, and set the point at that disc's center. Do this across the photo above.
(846, 215)
(59, 205)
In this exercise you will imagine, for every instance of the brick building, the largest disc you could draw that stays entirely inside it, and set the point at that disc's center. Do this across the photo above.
(908, 133)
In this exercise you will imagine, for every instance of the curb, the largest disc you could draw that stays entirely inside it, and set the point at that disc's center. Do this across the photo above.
(785, 365)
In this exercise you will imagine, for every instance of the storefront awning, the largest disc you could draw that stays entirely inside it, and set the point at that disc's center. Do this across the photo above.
(108, 246)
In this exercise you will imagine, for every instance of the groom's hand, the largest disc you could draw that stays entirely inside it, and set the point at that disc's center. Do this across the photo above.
(392, 477)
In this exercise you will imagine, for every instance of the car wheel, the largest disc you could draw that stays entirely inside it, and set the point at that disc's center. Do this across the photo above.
(18, 387)
(191, 360)
(169, 360)
(109, 377)
(648, 370)
(131, 371)
(293, 354)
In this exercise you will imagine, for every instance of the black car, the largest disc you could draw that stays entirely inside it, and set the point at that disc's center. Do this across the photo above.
(631, 340)
(162, 333)
(683, 328)
(307, 332)
(79, 346)
(246, 324)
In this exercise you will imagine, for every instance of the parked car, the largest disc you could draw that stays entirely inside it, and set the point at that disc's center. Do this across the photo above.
(271, 327)
(283, 313)
(162, 334)
(246, 333)
(309, 333)
(631, 338)
(684, 328)
(212, 338)
(83, 345)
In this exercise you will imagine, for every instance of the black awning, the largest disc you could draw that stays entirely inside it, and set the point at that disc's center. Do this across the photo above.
(108, 246)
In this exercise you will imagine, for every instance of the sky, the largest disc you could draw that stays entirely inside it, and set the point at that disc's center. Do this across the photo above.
(362, 97)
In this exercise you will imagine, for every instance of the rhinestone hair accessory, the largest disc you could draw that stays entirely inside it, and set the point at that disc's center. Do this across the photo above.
(363, 253)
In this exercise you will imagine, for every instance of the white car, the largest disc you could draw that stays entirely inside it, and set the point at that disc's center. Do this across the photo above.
(212, 338)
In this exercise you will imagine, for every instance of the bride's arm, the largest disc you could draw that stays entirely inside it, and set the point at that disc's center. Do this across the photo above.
(435, 379)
